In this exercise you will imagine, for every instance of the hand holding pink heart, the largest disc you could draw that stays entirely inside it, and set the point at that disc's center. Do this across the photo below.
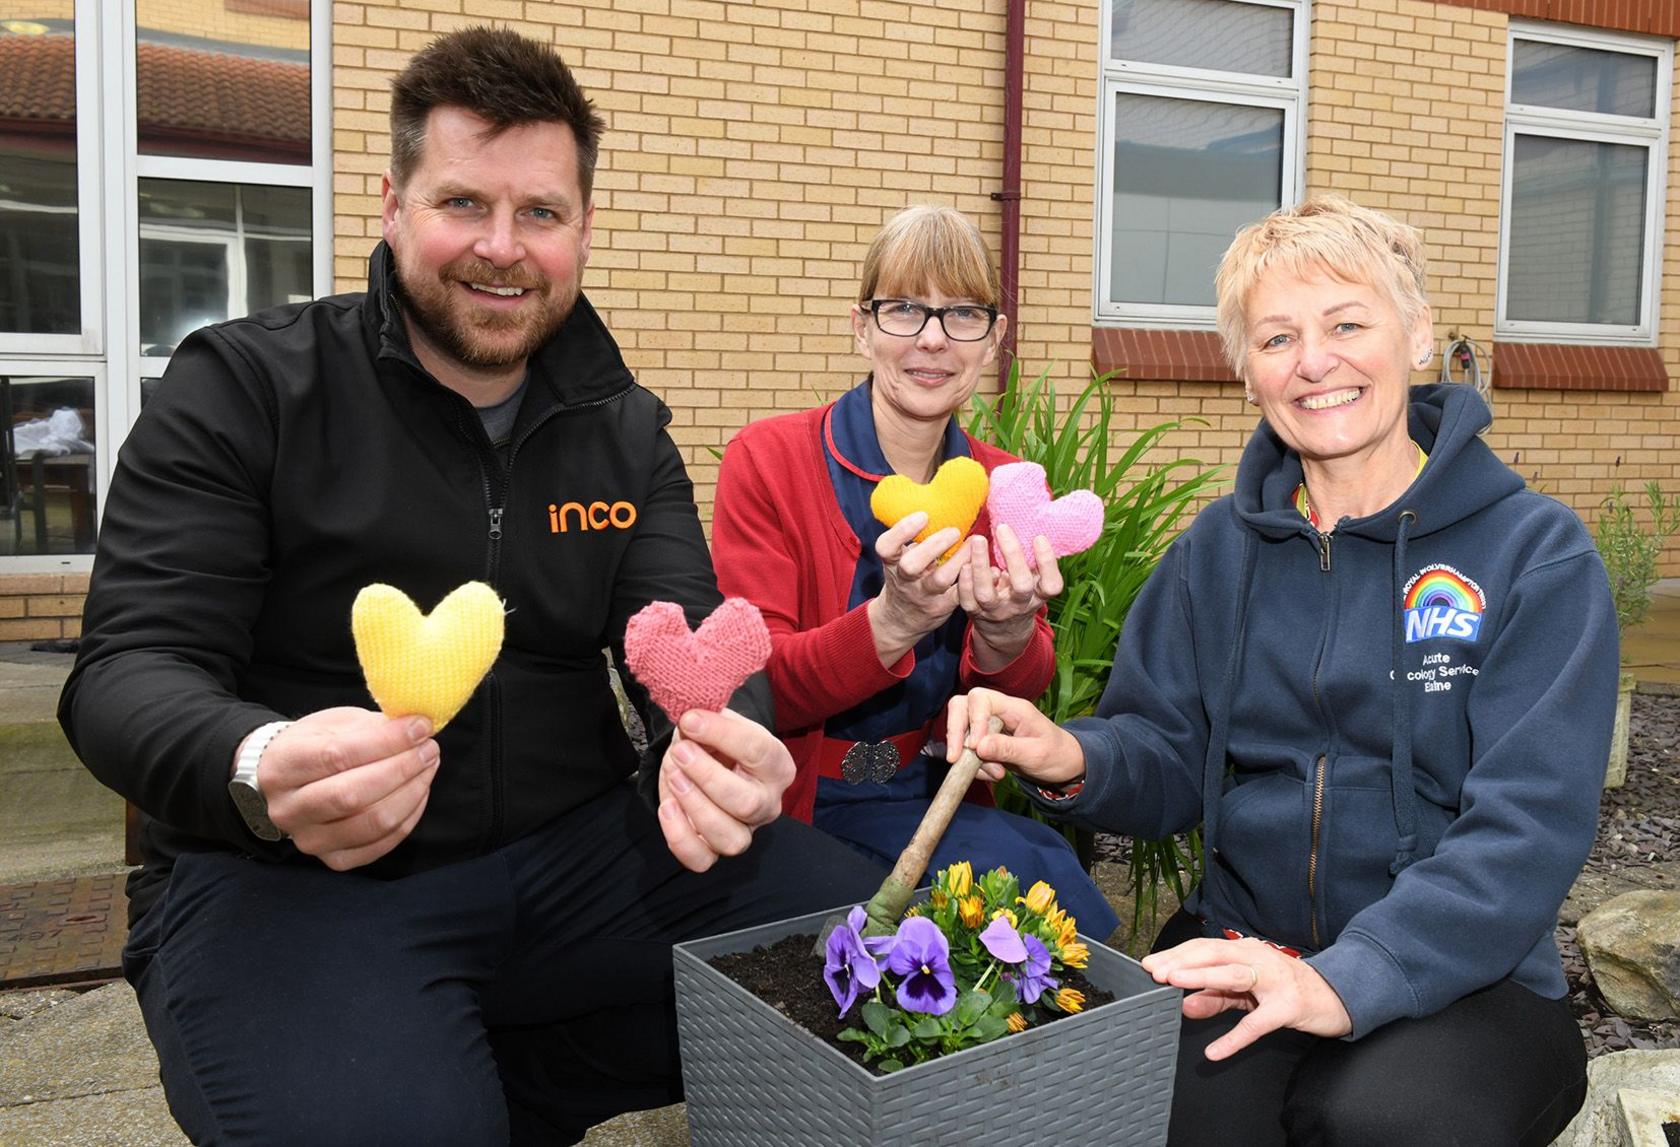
(1020, 496)
(699, 670)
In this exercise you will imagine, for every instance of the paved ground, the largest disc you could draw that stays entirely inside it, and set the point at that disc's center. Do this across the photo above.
(75, 1067)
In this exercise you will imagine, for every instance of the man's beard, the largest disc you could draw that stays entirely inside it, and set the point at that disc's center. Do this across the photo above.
(480, 337)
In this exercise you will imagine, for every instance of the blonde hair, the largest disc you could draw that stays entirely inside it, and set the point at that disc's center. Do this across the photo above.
(1326, 233)
(930, 247)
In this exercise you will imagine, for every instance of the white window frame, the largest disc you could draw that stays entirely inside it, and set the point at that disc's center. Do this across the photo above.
(1558, 123)
(108, 170)
(1127, 77)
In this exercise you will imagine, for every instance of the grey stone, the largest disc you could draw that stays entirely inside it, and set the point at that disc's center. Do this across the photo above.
(1632, 946)
(138, 1118)
(660, 1127)
(1595, 1125)
(1594, 886)
(1641, 1115)
(90, 1045)
(18, 1005)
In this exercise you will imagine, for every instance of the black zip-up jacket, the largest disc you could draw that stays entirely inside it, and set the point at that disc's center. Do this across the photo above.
(295, 456)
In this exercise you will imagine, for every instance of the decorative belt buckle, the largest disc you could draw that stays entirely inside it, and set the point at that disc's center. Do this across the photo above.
(870, 761)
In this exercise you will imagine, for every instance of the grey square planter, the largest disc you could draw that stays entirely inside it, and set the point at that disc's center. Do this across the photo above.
(754, 1078)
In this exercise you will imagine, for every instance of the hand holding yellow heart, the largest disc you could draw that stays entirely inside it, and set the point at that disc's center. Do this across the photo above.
(953, 498)
(426, 664)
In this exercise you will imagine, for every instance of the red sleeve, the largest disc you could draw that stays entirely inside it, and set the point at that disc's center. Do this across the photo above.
(1027, 676)
(816, 672)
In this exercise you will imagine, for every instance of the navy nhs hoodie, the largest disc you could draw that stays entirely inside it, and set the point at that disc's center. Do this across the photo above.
(1394, 735)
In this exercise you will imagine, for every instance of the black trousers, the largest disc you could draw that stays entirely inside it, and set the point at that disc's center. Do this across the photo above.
(521, 996)
(1499, 1067)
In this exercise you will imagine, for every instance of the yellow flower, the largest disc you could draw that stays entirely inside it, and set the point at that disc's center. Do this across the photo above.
(960, 878)
(1017, 1022)
(1075, 955)
(1007, 915)
(1040, 898)
(1070, 1000)
(1069, 935)
(1054, 919)
(971, 911)
(913, 910)
(939, 898)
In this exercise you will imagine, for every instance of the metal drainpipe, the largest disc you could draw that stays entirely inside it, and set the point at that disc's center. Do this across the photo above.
(1014, 66)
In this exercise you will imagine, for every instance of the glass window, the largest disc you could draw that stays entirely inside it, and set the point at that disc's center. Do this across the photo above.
(1585, 145)
(47, 452)
(40, 250)
(215, 83)
(213, 251)
(1201, 124)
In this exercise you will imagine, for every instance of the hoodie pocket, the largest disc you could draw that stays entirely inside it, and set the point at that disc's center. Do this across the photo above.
(1260, 858)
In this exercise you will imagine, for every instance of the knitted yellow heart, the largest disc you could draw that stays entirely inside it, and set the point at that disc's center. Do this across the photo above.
(953, 498)
(424, 664)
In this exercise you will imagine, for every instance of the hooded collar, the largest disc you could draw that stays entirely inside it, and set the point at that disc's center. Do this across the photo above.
(1461, 477)
(579, 365)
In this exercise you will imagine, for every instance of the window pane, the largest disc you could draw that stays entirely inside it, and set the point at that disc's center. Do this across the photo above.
(213, 251)
(1215, 34)
(223, 79)
(40, 279)
(1187, 175)
(46, 465)
(1577, 231)
(1583, 79)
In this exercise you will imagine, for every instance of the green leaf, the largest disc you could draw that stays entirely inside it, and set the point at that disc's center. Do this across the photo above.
(877, 1015)
(927, 1028)
(972, 1006)
(989, 1028)
(898, 1035)
(891, 1065)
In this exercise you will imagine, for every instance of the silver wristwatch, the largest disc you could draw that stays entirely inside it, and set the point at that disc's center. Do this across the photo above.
(247, 794)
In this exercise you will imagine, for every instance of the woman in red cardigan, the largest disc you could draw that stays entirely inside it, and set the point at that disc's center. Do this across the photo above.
(871, 632)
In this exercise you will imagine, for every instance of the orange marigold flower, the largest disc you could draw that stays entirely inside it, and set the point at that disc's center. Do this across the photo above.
(939, 898)
(1069, 934)
(1075, 955)
(1070, 1000)
(960, 878)
(971, 911)
(1017, 1022)
(1040, 898)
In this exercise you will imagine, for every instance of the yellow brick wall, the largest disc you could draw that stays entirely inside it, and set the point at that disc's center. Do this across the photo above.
(35, 607)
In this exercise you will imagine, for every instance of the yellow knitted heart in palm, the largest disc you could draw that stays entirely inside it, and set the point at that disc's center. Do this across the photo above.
(426, 664)
(953, 498)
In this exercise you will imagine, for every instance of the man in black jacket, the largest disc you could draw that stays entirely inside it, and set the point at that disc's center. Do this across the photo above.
(396, 937)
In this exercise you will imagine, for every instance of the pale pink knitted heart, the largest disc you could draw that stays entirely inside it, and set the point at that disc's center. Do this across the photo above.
(1020, 496)
(698, 670)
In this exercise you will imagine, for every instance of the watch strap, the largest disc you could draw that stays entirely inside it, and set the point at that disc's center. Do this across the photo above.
(243, 787)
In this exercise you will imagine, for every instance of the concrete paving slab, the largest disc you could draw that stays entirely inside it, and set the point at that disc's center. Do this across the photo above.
(138, 1118)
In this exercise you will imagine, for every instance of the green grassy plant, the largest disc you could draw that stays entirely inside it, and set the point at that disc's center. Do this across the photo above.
(1145, 507)
(1632, 546)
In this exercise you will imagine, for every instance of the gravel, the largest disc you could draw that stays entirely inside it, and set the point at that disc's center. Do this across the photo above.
(1638, 827)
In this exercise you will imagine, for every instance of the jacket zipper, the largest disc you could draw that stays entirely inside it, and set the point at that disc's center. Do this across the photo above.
(1324, 552)
(1312, 857)
(495, 502)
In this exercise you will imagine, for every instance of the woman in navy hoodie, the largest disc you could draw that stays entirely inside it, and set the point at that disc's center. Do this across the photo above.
(1381, 676)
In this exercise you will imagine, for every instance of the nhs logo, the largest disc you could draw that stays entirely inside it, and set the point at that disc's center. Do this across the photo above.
(1441, 602)
(1441, 621)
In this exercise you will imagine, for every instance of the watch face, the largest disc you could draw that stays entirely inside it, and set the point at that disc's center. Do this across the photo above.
(254, 809)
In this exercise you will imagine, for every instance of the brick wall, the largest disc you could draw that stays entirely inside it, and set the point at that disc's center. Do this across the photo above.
(34, 607)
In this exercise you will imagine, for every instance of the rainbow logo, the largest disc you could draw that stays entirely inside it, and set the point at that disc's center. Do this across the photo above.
(1441, 602)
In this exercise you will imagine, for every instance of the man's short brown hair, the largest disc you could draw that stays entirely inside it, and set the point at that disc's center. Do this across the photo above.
(499, 76)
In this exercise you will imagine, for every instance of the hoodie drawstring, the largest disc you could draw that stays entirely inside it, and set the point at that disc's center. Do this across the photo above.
(1400, 772)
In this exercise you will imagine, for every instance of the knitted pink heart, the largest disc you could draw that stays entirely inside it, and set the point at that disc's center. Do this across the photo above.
(1020, 496)
(698, 670)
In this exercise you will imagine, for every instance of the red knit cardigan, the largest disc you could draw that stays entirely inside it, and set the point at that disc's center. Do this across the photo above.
(780, 540)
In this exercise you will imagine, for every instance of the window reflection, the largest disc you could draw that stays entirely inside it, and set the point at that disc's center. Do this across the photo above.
(1214, 34)
(39, 245)
(46, 465)
(1187, 175)
(219, 79)
(212, 251)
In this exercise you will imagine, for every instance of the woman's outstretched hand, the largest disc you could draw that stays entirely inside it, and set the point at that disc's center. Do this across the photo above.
(1277, 990)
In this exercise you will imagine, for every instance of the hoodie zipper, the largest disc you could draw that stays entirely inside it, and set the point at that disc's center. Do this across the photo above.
(1321, 771)
(495, 502)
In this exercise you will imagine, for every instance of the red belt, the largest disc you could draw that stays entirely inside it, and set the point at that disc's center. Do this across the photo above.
(832, 750)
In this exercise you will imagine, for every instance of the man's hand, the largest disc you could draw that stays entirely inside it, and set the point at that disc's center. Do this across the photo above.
(722, 777)
(1030, 744)
(348, 785)
(1275, 989)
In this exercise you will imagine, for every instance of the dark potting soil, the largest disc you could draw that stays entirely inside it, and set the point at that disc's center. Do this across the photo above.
(787, 975)
(1671, 1132)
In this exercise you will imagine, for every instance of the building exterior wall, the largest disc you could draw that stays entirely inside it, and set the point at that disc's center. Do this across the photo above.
(754, 149)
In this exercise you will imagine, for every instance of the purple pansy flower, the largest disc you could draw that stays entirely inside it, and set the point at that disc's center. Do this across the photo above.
(849, 966)
(1003, 942)
(923, 957)
(1035, 978)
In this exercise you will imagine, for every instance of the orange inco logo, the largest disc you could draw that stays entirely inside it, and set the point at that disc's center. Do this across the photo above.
(593, 516)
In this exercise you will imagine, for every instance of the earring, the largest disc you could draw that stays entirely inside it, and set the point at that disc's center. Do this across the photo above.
(1427, 355)
(1248, 397)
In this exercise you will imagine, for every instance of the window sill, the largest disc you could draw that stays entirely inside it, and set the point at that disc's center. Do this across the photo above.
(1159, 355)
(1568, 366)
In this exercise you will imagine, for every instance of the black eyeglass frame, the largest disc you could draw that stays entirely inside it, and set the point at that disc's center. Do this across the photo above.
(873, 306)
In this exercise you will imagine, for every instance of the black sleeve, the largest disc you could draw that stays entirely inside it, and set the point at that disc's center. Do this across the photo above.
(151, 704)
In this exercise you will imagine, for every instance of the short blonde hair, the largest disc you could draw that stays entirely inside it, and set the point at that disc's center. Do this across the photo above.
(930, 247)
(1326, 233)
